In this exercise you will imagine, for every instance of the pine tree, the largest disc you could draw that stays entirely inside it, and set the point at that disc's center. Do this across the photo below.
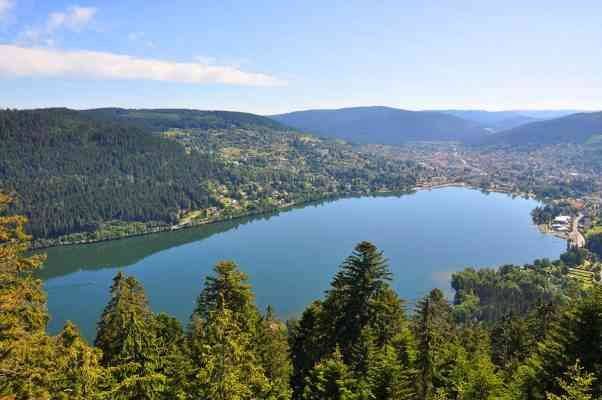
(227, 366)
(78, 374)
(127, 313)
(34, 365)
(223, 335)
(229, 287)
(274, 354)
(25, 350)
(331, 379)
(577, 335)
(127, 337)
(307, 342)
(433, 329)
(574, 385)
(352, 303)
(389, 377)
(176, 362)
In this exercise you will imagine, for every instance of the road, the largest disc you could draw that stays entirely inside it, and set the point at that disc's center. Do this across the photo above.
(576, 239)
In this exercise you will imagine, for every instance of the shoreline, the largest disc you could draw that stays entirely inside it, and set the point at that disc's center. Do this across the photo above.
(37, 246)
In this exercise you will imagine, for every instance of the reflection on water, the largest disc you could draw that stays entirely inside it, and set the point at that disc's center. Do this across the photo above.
(291, 257)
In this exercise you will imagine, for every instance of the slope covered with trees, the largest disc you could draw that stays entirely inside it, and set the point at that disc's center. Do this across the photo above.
(112, 172)
(494, 121)
(383, 125)
(576, 129)
(73, 173)
(357, 343)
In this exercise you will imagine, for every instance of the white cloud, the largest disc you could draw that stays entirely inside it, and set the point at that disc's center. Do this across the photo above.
(43, 62)
(5, 7)
(75, 18)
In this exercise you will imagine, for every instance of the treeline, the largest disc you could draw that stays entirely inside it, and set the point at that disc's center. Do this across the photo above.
(158, 120)
(108, 172)
(72, 173)
(358, 342)
(544, 215)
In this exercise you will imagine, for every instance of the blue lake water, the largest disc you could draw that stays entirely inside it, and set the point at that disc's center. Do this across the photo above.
(291, 257)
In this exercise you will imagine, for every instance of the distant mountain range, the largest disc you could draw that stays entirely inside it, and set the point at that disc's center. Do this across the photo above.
(383, 125)
(493, 121)
(581, 128)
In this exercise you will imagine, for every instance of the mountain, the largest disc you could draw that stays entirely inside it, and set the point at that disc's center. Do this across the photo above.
(547, 114)
(494, 121)
(161, 119)
(575, 128)
(383, 125)
(99, 174)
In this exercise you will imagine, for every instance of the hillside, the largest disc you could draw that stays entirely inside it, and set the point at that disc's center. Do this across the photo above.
(161, 119)
(576, 128)
(493, 121)
(383, 125)
(110, 173)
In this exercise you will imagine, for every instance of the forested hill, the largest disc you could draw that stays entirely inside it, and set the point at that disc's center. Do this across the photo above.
(112, 172)
(161, 119)
(383, 125)
(494, 121)
(580, 128)
(72, 172)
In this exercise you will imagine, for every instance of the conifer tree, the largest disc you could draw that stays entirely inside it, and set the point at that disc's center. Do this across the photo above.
(307, 342)
(577, 335)
(229, 287)
(78, 374)
(227, 366)
(25, 350)
(352, 303)
(34, 365)
(274, 354)
(574, 385)
(433, 329)
(389, 377)
(127, 337)
(331, 379)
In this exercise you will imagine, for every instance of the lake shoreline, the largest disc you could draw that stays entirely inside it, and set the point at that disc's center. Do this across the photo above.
(40, 245)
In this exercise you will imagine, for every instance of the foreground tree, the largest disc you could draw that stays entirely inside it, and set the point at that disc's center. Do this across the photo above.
(34, 365)
(331, 379)
(576, 336)
(274, 355)
(223, 334)
(127, 337)
(355, 298)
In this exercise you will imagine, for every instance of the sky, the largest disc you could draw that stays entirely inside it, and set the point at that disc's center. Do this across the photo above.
(277, 56)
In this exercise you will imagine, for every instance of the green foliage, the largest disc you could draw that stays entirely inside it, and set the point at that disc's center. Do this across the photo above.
(229, 288)
(227, 366)
(353, 301)
(355, 344)
(575, 385)
(33, 364)
(489, 295)
(331, 379)
(576, 335)
(274, 355)
(128, 339)
(98, 174)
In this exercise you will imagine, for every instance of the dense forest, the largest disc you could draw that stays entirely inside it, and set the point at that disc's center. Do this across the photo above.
(112, 172)
(509, 334)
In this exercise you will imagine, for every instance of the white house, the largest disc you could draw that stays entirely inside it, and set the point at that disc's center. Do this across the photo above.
(562, 219)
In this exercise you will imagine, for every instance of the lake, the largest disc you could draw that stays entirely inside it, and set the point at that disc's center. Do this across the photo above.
(291, 257)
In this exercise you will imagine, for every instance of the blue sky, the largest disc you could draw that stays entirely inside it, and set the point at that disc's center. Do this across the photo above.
(278, 56)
